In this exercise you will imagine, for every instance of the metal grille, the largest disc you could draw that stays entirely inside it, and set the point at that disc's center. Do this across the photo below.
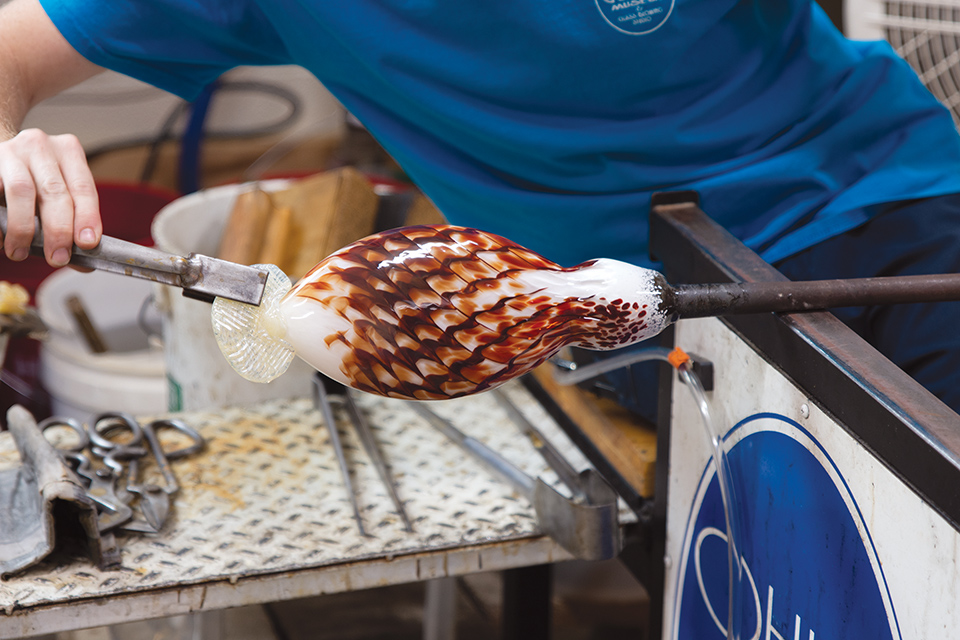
(927, 35)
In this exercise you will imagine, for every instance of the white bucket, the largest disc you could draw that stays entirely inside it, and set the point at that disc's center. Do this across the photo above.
(129, 377)
(198, 375)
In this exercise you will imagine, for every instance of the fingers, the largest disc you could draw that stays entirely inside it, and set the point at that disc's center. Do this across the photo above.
(49, 174)
(87, 226)
(52, 198)
(18, 189)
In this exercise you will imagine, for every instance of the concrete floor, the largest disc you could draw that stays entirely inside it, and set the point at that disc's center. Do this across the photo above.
(591, 601)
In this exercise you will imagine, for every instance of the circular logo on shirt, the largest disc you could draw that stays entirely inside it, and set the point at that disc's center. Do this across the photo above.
(635, 17)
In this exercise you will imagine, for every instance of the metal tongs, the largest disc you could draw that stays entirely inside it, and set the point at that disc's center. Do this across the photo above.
(200, 276)
(329, 393)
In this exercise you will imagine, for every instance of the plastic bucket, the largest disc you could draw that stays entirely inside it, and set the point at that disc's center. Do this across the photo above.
(198, 375)
(129, 376)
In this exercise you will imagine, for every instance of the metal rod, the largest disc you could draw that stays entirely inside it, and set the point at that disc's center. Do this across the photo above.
(703, 300)
(322, 401)
(88, 330)
(493, 460)
(373, 450)
(554, 459)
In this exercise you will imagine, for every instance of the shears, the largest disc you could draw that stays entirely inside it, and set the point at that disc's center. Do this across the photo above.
(121, 442)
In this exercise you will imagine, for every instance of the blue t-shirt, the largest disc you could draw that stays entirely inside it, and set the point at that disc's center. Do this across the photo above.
(553, 122)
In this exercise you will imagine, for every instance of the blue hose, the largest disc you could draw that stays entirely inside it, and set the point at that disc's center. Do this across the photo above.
(189, 173)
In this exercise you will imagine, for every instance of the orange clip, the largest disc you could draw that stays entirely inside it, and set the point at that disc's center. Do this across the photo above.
(678, 357)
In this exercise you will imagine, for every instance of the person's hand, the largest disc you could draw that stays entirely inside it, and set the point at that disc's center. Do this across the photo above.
(48, 176)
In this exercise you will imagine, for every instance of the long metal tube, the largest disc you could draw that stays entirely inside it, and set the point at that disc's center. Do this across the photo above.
(322, 402)
(703, 300)
(370, 445)
(554, 459)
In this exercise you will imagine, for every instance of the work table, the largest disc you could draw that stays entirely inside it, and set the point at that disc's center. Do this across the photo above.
(262, 515)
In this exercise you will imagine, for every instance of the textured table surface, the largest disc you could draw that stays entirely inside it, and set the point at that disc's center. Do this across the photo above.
(262, 515)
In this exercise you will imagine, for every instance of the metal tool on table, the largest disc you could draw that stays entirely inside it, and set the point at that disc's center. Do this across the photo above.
(199, 276)
(154, 503)
(554, 459)
(121, 443)
(42, 501)
(101, 483)
(588, 527)
(329, 393)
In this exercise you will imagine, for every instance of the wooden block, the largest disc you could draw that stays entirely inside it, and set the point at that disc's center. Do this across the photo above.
(422, 211)
(329, 211)
(245, 228)
(628, 442)
(278, 246)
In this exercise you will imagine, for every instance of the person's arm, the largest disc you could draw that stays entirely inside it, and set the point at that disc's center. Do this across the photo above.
(38, 172)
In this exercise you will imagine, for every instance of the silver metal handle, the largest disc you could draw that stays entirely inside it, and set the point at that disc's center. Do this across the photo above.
(199, 276)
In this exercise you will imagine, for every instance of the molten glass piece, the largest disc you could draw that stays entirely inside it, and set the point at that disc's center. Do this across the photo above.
(437, 312)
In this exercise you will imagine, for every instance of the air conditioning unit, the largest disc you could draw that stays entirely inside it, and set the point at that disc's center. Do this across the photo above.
(926, 33)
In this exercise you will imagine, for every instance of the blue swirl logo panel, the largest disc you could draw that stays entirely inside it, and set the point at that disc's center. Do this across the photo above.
(810, 569)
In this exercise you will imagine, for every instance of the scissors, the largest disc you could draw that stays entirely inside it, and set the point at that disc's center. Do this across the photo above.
(139, 441)
(155, 499)
(120, 441)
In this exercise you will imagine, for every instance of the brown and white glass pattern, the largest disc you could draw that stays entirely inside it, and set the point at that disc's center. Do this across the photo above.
(436, 312)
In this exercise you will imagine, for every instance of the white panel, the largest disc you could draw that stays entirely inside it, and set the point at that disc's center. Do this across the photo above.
(909, 544)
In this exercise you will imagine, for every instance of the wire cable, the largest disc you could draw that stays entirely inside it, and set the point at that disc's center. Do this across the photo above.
(294, 109)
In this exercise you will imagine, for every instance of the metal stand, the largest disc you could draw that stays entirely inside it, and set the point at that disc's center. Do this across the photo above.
(440, 609)
(527, 606)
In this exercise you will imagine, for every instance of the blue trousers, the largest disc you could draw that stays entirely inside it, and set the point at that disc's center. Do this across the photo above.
(913, 237)
(906, 238)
